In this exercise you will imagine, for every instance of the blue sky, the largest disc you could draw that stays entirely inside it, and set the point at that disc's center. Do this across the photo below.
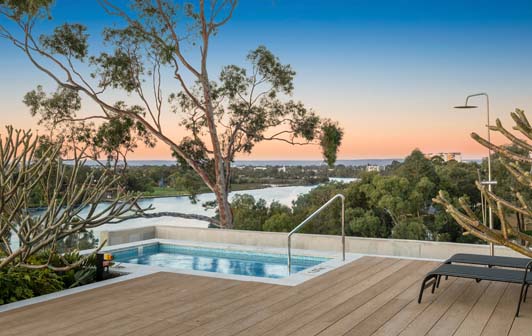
(388, 71)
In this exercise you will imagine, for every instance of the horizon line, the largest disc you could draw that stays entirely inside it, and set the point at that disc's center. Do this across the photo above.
(466, 158)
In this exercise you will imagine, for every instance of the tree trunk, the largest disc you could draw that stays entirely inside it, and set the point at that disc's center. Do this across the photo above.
(224, 209)
(221, 186)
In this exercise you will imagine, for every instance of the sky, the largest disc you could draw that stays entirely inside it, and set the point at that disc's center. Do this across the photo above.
(389, 71)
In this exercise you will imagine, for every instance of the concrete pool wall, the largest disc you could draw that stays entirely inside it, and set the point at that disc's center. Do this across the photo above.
(369, 246)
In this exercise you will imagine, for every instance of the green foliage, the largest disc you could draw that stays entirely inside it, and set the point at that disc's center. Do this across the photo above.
(364, 223)
(137, 180)
(330, 141)
(111, 140)
(28, 8)
(458, 178)
(70, 277)
(388, 193)
(269, 66)
(121, 134)
(416, 166)
(305, 122)
(444, 228)
(280, 218)
(14, 286)
(69, 40)
(186, 178)
(54, 108)
(279, 222)
(411, 228)
(249, 214)
(19, 283)
(422, 193)
(507, 184)
(118, 70)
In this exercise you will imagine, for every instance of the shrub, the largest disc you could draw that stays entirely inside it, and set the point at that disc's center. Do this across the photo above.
(18, 283)
(249, 214)
(279, 222)
(366, 224)
(411, 228)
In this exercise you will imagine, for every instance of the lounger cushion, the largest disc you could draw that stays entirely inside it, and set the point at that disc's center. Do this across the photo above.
(479, 259)
(481, 273)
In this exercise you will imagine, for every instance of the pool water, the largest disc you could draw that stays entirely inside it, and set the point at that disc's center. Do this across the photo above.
(215, 260)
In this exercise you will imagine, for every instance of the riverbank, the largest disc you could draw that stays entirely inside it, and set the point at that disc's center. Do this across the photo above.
(170, 192)
(181, 203)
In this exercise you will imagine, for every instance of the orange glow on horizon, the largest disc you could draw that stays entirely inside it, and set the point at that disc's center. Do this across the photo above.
(354, 146)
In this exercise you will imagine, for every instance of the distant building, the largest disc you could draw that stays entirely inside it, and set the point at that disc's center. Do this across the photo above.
(260, 168)
(445, 156)
(282, 169)
(374, 168)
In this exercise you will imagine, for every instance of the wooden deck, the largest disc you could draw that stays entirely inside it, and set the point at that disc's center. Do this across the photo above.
(371, 296)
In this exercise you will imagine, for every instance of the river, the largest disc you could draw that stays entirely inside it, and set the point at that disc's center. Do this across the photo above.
(283, 195)
(183, 204)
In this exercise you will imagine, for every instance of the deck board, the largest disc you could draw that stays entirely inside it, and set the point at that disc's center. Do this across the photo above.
(342, 318)
(370, 296)
(422, 324)
(457, 312)
(335, 297)
(502, 318)
(478, 316)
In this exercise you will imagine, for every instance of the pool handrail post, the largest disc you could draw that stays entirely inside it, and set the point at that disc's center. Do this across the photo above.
(309, 218)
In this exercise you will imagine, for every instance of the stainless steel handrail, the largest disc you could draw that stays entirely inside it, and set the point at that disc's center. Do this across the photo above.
(309, 218)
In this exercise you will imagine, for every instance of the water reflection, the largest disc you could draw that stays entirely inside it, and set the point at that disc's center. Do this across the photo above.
(256, 268)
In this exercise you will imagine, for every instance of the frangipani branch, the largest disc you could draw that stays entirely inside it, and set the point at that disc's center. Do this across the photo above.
(26, 169)
(512, 159)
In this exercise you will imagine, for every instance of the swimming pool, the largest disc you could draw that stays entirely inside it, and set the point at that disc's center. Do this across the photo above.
(266, 265)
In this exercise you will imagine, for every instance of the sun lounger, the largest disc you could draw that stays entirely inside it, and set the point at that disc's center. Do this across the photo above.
(523, 277)
(486, 260)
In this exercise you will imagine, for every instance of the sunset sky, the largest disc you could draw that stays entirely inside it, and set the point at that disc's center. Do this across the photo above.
(389, 71)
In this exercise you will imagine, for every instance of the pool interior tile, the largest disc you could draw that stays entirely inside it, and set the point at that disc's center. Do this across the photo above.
(136, 254)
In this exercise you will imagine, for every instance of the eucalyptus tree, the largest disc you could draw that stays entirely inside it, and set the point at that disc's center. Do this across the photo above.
(71, 206)
(517, 161)
(107, 144)
(161, 44)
